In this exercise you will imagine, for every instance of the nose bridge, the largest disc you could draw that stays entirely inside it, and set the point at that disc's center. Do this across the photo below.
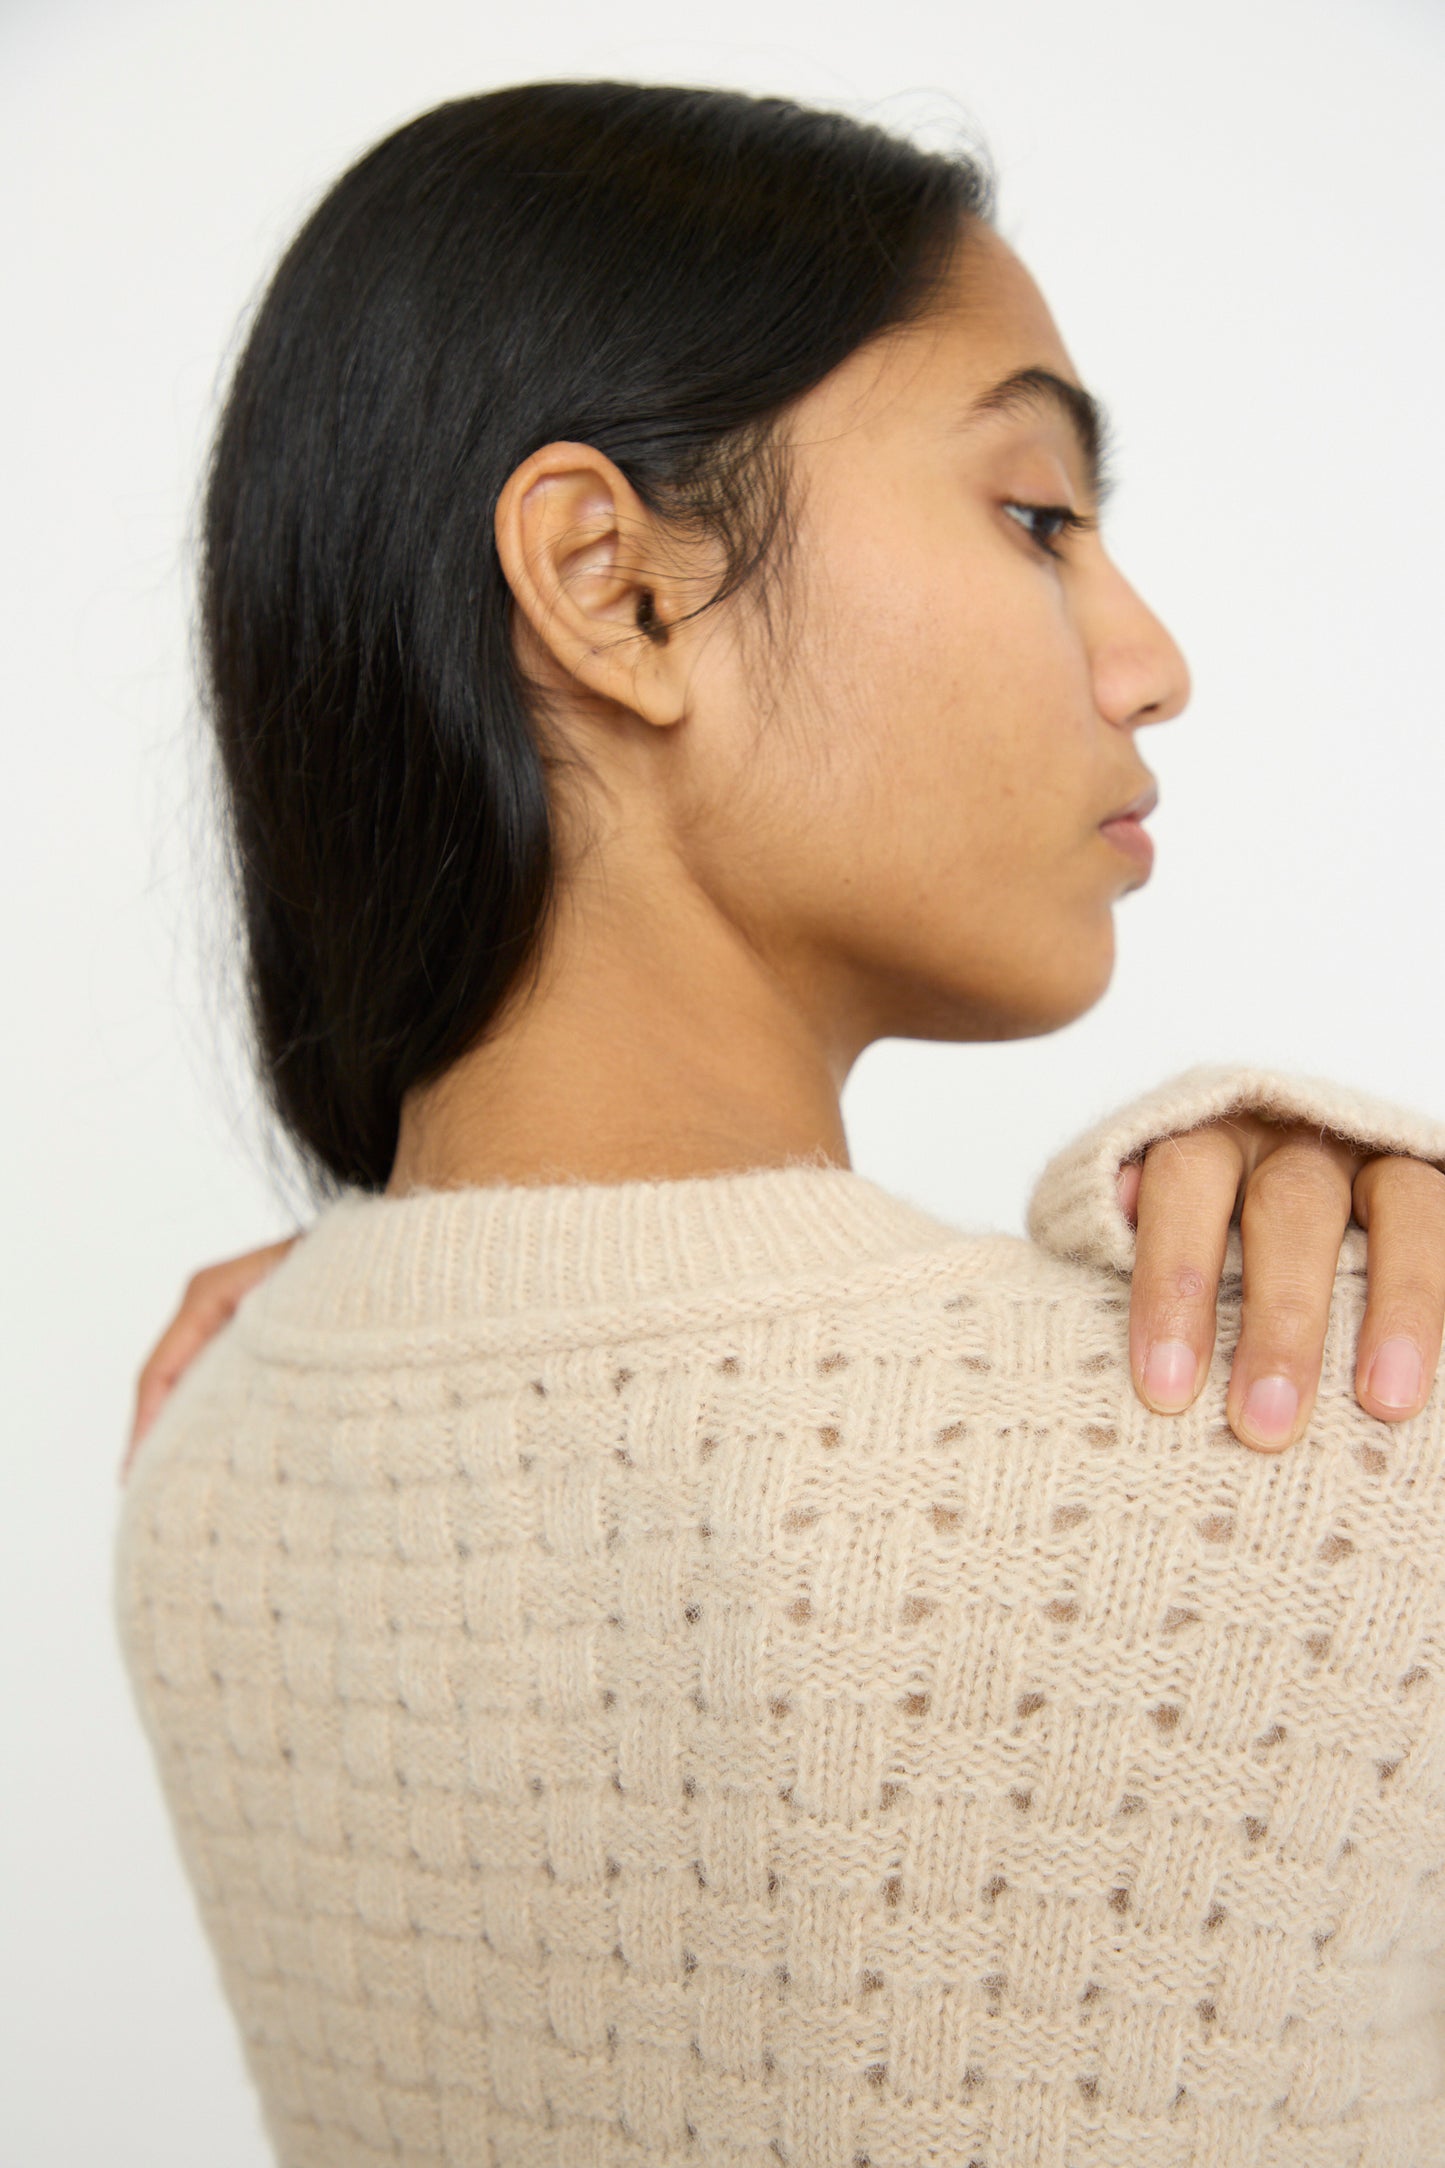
(1140, 674)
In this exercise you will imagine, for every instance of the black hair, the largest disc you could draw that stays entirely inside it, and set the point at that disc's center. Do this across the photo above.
(654, 271)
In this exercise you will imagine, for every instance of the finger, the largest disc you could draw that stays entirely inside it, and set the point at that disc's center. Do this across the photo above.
(210, 1298)
(1402, 1203)
(204, 1309)
(1188, 1187)
(1296, 1209)
(1128, 1188)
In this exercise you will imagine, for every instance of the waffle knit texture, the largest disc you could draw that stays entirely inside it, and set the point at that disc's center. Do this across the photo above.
(726, 1671)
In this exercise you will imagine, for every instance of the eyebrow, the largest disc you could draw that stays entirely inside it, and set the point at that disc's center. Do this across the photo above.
(1034, 388)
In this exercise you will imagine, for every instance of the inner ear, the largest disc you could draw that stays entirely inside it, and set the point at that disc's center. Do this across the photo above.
(594, 570)
(648, 620)
(598, 550)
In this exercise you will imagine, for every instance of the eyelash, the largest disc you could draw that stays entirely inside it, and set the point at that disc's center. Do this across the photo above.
(1070, 522)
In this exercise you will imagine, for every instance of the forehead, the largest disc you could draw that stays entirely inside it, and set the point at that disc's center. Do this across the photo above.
(990, 320)
(992, 317)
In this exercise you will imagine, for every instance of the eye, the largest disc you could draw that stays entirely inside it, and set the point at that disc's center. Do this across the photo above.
(1066, 519)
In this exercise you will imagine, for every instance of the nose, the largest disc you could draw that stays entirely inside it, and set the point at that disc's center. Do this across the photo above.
(1140, 674)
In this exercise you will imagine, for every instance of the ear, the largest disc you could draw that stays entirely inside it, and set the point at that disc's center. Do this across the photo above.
(586, 562)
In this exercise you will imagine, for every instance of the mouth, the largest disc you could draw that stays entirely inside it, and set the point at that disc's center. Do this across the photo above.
(1125, 829)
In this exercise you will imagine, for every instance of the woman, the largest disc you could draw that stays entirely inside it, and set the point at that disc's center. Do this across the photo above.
(654, 1647)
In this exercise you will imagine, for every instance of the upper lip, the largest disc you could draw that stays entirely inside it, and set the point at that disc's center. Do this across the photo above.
(1138, 809)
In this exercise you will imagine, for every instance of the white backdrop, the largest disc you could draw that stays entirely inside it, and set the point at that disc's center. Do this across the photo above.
(1236, 213)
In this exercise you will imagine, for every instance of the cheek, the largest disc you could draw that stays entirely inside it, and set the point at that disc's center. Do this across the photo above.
(952, 696)
(913, 790)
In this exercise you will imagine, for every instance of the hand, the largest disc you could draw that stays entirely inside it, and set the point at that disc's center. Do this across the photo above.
(1294, 1192)
(210, 1298)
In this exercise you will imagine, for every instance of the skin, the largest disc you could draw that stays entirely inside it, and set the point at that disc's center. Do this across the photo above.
(885, 824)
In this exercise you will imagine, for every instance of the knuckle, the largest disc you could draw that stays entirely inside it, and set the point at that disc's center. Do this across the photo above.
(1410, 1191)
(1180, 1287)
(202, 1284)
(1290, 1188)
(1174, 1299)
(1286, 1320)
(1397, 1170)
(1407, 1296)
(1207, 1148)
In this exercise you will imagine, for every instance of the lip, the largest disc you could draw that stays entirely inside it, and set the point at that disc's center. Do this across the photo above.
(1125, 829)
(1138, 809)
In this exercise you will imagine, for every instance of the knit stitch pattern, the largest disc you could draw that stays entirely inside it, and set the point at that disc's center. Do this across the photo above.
(728, 1672)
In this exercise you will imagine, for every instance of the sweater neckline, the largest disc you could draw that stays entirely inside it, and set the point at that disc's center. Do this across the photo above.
(439, 1257)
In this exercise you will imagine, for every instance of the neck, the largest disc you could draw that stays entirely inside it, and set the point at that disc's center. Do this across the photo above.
(649, 1058)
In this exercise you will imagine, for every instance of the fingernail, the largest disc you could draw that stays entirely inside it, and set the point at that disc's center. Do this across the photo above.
(1395, 1374)
(1270, 1407)
(1169, 1375)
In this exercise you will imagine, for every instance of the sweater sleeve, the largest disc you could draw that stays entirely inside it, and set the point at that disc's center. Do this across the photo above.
(1074, 1209)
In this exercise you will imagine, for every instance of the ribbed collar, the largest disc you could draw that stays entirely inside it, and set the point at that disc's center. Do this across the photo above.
(444, 1257)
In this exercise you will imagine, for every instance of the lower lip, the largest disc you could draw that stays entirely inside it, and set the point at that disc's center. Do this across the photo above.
(1130, 838)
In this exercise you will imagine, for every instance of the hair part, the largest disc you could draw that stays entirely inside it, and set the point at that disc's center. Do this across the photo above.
(659, 272)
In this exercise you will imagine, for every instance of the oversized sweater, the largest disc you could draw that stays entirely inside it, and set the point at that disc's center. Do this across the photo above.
(726, 1671)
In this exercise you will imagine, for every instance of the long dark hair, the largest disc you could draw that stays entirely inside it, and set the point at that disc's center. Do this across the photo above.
(655, 271)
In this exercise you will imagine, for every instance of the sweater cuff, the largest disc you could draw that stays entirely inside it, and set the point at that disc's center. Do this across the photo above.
(1074, 1209)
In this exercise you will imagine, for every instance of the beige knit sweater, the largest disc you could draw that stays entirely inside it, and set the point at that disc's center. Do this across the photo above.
(726, 1671)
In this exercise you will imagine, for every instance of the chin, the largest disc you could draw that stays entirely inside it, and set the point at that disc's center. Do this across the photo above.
(980, 1022)
(1063, 999)
(1014, 996)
